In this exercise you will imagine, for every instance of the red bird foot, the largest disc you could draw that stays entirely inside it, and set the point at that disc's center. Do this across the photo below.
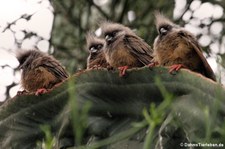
(153, 64)
(122, 70)
(175, 67)
(41, 91)
(22, 92)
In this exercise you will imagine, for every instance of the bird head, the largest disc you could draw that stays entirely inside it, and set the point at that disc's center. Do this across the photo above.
(114, 31)
(94, 44)
(165, 28)
(25, 58)
(163, 24)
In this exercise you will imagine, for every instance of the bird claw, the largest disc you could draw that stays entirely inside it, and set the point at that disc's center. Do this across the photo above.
(122, 70)
(96, 67)
(153, 64)
(41, 91)
(175, 67)
(22, 92)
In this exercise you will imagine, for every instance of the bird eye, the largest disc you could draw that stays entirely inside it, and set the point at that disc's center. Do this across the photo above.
(99, 46)
(108, 37)
(93, 49)
(112, 34)
(164, 29)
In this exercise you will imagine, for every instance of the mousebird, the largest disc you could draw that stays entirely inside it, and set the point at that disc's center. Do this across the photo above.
(96, 58)
(40, 71)
(176, 47)
(123, 48)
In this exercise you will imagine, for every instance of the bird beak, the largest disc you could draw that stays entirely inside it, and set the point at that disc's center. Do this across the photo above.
(108, 38)
(163, 31)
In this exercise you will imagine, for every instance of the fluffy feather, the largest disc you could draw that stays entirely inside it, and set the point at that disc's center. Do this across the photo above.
(175, 45)
(39, 70)
(96, 56)
(123, 47)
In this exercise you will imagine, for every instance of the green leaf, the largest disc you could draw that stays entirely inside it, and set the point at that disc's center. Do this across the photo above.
(115, 117)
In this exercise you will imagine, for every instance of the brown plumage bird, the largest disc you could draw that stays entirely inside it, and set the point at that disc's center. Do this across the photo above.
(40, 71)
(176, 47)
(96, 58)
(123, 48)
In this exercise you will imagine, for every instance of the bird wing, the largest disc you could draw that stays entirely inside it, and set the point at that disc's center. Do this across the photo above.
(193, 42)
(52, 66)
(139, 49)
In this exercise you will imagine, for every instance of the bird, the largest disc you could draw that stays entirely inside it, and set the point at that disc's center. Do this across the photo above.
(96, 58)
(178, 48)
(40, 71)
(123, 48)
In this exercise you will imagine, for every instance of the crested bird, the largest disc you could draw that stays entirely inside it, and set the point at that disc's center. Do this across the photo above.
(96, 58)
(123, 48)
(176, 47)
(40, 71)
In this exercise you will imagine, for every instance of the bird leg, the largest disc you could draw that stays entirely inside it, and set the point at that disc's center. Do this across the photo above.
(41, 91)
(22, 92)
(122, 70)
(176, 67)
(153, 64)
